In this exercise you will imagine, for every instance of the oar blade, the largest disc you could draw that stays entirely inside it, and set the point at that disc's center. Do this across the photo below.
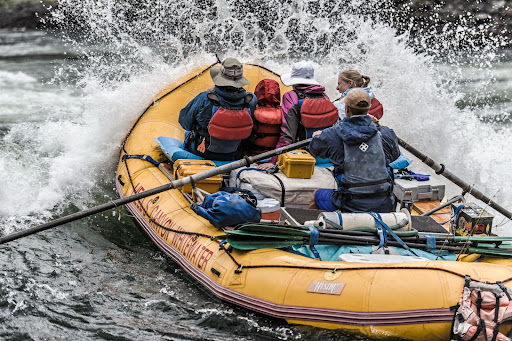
(491, 251)
(247, 244)
(260, 234)
(273, 229)
(483, 239)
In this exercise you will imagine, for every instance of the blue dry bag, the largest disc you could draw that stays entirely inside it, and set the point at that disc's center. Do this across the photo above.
(226, 209)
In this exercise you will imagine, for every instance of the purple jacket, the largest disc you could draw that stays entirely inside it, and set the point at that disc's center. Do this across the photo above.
(290, 99)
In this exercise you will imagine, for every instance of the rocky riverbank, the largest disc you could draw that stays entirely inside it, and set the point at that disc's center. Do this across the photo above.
(486, 19)
(27, 14)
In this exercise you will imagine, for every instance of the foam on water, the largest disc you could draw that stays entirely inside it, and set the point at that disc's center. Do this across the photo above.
(133, 49)
(14, 78)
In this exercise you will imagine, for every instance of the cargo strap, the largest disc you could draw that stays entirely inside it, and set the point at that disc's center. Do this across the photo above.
(431, 243)
(313, 240)
(185, 163)
(387, 229)
(248, 168)
(141, 157)
(410, 175)
(283, 190)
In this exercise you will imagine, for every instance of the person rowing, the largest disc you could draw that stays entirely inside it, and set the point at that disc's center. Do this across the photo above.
(360, 158)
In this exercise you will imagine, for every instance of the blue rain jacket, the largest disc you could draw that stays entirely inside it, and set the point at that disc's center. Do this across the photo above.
(359, 153)
(196, 115)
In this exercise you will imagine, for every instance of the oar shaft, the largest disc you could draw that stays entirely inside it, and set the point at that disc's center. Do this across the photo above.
(439, 169)
(448, 203)
(174, 184)
(336, 241)
(86, 213)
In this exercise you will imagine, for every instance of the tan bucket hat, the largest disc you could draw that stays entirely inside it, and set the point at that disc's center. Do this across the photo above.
(229, 73)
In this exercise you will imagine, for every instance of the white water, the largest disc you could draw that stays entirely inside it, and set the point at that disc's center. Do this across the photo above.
(64, 125)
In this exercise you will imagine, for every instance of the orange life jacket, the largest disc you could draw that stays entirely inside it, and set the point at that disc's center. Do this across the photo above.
(227, 128)
(267, 118)
(267, 128)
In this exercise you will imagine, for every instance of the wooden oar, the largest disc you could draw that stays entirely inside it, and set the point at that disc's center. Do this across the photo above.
(440, 169)
(173, 184)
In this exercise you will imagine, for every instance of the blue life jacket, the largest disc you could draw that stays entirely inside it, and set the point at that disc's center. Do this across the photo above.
(365, 174)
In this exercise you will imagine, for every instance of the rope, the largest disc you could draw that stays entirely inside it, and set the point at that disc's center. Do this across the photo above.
(454, 230)
(154, 221)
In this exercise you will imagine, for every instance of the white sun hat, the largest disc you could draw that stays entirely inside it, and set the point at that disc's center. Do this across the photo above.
(302, 73)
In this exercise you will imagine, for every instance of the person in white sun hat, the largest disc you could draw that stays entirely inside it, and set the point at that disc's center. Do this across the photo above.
(305, 109)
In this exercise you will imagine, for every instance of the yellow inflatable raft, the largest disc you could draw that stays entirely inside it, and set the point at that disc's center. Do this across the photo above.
(410, 300)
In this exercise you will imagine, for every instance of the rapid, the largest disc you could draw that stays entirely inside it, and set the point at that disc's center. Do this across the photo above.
(68, 97)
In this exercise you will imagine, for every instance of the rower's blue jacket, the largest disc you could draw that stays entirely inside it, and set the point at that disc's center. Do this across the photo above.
(348, 135)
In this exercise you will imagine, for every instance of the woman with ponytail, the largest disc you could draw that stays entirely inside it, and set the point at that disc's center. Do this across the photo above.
(350, 79)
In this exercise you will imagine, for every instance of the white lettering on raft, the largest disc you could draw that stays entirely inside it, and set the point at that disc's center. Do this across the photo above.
(329, 288)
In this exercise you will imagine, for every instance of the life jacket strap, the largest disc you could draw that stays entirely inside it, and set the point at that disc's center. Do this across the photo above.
(456, 315)
(261, 135)
(350, 196)
(505, 290)
(364, 184)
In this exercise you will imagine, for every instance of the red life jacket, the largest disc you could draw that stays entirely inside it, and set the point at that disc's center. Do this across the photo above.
(267, 118)
(376, 110)
(227, 128)
(317, 114)
(230, 124)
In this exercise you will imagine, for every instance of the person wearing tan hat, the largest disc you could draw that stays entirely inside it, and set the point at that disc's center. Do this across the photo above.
(218, 120)
(360, 154)
(350, 79)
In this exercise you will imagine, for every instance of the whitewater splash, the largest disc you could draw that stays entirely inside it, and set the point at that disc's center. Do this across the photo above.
(133, 49)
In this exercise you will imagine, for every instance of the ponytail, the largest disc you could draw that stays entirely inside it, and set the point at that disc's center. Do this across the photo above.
(366, 81)
(359, 80)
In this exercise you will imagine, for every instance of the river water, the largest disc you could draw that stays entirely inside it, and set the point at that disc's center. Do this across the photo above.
(68, 98)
